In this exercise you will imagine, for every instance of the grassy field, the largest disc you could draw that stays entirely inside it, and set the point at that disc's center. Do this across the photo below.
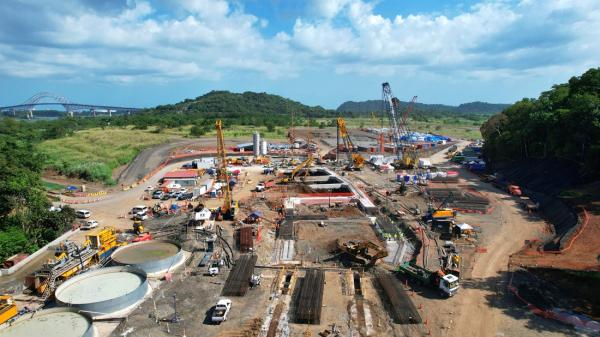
(449, 126)
(53, 186)
(93, 154)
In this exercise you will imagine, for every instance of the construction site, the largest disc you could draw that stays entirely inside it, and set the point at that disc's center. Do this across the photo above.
(339, 232)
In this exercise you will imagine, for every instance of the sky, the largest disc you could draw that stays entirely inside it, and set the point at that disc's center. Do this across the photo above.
(142, 53)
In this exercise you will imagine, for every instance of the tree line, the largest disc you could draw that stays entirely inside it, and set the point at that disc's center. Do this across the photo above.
(563, 122)
(26, 223)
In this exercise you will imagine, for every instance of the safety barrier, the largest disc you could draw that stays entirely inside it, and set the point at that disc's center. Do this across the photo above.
(92, 194)
(578, 321)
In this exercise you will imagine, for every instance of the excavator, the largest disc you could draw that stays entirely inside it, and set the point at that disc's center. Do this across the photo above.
(362, 252)
(229, 207)
(355, 160)
(305, 164)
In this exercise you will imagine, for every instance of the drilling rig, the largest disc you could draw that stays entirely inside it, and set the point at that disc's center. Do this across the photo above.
(406, 153)
(229, 207)
(355, 160)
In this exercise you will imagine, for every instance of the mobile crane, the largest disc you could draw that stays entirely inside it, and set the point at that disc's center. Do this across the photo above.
(229, 208)
(355, 160)
(406, 153)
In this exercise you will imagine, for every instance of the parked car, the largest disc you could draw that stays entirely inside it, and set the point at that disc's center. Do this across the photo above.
(83, 213)
(158, 194)
(221, 310)
(165, 196)
(89, 224)
(185, 196)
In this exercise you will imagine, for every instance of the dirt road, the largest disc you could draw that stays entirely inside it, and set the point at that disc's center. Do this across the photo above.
(483, 306)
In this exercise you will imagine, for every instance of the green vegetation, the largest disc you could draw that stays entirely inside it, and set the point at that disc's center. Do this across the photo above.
(94, 153)
(457, 127)
(50, 186)
(563, 122)
(25, 221)
(425, 110)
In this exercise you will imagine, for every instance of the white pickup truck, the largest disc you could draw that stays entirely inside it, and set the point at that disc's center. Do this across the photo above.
(221, 310)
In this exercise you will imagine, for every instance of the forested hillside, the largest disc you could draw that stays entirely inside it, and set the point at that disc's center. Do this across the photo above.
(429, 110)
(25, 221)
(563, 122)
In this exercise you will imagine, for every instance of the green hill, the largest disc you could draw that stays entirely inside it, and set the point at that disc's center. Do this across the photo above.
(228, 103)
(473, 108)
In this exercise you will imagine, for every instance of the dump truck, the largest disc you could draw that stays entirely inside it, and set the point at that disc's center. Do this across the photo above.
(8, 308)
(447, 284)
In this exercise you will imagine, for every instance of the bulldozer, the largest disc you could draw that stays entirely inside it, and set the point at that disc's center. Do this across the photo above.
(362, 252)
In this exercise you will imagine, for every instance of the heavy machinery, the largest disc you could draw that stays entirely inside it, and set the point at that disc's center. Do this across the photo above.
(362, 252)
(71, 258)
(138, 227)
(305, 164)
(447, 284)
(355, 160)
(8, 308)
(229, 207)
(406, 153)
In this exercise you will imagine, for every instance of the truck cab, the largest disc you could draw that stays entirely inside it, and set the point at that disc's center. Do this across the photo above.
(221, 310)
(449, 285)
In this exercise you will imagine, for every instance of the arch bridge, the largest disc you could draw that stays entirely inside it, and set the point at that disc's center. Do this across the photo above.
(71, 108)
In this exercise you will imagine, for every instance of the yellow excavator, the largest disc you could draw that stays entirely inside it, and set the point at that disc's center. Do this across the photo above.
(355, 160)
(305, 164)
(229, 207)
(362, 252)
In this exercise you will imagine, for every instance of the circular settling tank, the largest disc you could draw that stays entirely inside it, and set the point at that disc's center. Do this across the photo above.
(60, 322)
(154, 257)
(104, 291)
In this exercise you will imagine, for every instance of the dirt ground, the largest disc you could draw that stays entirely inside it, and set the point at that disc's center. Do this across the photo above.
(315, 243)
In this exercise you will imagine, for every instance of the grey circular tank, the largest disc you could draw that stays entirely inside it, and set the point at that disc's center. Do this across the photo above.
(57, 322)
(104, 291)
(153, 257)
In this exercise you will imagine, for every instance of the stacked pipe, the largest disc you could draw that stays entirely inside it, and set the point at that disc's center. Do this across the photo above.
(310, 298)
(402, 309)
(238, 280)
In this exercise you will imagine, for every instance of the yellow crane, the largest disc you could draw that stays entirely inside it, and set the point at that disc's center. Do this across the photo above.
(229, 207)
(355, 160)
(305, 164)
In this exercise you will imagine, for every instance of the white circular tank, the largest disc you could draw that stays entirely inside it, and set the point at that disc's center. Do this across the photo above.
(264, 147)
(155, 257)
(58, 322)
(256, 143)
(104, 292)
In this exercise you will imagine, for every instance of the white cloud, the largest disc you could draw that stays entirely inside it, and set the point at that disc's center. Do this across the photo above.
(488, 36)
(210, 39)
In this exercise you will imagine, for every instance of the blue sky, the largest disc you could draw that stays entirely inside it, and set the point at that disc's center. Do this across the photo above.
(320, 52)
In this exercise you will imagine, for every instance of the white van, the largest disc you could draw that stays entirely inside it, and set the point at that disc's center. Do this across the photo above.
(83, 213)
(139, 212)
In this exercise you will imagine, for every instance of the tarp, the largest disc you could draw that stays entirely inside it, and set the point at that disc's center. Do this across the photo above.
(256, 214)
(71, 188)
(464, 226)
